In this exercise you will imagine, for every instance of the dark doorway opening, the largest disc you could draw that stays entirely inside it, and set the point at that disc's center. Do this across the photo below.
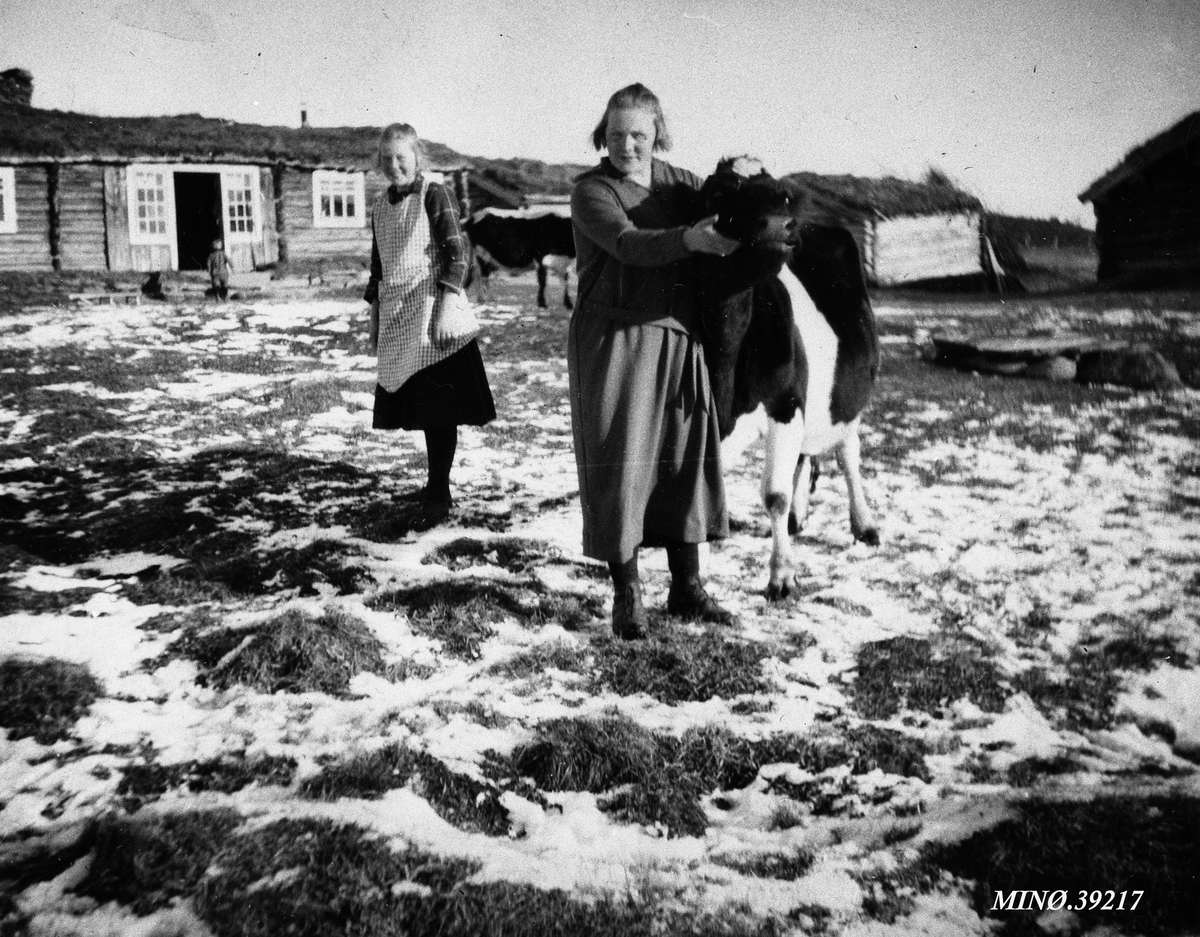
(197, 216)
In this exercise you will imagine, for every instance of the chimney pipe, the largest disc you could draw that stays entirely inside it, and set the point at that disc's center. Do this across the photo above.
(303, 117)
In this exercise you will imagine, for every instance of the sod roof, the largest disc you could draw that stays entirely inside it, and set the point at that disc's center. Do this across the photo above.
(887, 196)
(1184, 135)
(28, 133)
(34, 134)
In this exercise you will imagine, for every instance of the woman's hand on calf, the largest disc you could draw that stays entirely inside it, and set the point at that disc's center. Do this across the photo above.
(703, 238)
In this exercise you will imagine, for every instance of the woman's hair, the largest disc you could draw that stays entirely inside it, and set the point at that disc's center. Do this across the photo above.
(407, 134)
(636, 95)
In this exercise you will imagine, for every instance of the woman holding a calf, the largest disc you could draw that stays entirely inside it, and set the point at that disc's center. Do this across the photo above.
(647, 445)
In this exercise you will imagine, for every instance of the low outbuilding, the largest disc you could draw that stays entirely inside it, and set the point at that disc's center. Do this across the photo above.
(1148, 211)
(910, 234)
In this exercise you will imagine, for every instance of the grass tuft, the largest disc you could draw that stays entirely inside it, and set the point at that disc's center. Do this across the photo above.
(144, 783)
(44, 698)
(257, 572)
(461, 614)
(614, 755)
(1086, 697)
(1028, 771)
(557, 655)
(292, 653)
(890, 895)
(678, 667)
(175, 591)
(908, 672)
(149, 861)
(654, 778)
(467, 803)
(475, 710)
(786, 867)
(516, 554)
(312, 878)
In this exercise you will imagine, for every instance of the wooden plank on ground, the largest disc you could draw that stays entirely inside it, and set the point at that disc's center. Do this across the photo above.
(123, 296)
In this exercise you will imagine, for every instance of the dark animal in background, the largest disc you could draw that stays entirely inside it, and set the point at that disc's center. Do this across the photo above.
(788, 331)
(479, 272)
(519, 239)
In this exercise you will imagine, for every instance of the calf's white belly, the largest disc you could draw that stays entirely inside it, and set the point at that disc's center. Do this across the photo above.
(820, 348)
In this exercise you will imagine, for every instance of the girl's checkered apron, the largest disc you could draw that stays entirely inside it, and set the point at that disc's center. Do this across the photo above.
(408, 290)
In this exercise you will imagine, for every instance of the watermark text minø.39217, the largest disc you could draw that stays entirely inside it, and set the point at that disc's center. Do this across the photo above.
(1062, 900)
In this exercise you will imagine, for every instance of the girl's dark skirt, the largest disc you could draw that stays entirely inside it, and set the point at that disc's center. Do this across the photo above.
(452, 392)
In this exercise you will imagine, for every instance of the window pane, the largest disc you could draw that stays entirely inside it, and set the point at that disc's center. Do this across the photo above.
(349, 206)
(337, 206)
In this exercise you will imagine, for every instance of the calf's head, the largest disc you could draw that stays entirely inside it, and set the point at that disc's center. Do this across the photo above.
(751, 207)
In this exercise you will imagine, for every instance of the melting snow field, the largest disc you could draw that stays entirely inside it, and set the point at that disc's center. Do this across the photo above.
(1029, 539)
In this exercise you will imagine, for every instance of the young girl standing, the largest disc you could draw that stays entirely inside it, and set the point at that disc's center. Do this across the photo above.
(429, 379)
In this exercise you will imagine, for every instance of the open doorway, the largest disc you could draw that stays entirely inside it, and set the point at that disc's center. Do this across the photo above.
(197, 216)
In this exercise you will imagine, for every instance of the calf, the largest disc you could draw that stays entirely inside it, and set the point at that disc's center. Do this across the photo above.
(788, 329)
(518, 239)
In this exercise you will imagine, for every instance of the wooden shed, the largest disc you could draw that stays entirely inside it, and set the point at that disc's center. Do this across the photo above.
(1148, 211)
(83, 192)
(911, 234)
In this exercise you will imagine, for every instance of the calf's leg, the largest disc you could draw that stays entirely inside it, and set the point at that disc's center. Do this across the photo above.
(862, 521)
(801, 489)
(541, 277)
(784, 441)
(567, 304)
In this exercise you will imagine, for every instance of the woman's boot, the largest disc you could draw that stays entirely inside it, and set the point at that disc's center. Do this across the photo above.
(687, 597)
(629, 620)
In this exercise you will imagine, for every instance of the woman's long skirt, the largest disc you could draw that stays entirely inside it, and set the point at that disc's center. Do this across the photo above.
(647, 444)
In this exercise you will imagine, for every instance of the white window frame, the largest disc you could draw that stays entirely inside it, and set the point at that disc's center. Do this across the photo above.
(166, 237)
(8, 200)
(241, 217)
(334, 183)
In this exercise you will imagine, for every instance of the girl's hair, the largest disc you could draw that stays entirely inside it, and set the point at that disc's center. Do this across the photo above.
(406, 134)
(636, 95)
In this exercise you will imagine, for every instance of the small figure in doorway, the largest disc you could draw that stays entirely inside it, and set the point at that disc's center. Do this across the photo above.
(219, 268)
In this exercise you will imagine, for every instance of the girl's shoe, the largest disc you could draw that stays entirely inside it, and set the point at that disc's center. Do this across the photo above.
(410, 497)
(429, 514)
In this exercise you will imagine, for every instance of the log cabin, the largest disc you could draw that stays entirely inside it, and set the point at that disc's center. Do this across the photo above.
(83, 192)
(909, 234)
(1148, 211)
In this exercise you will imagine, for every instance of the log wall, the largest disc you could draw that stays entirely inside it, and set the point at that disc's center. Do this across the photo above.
(29, 247)
(926, 247)
(307, 243)
(81, 217)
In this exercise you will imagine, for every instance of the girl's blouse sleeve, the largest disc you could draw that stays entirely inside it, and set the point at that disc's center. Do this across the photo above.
(448, 236)
(597, 214)
(372, 291)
